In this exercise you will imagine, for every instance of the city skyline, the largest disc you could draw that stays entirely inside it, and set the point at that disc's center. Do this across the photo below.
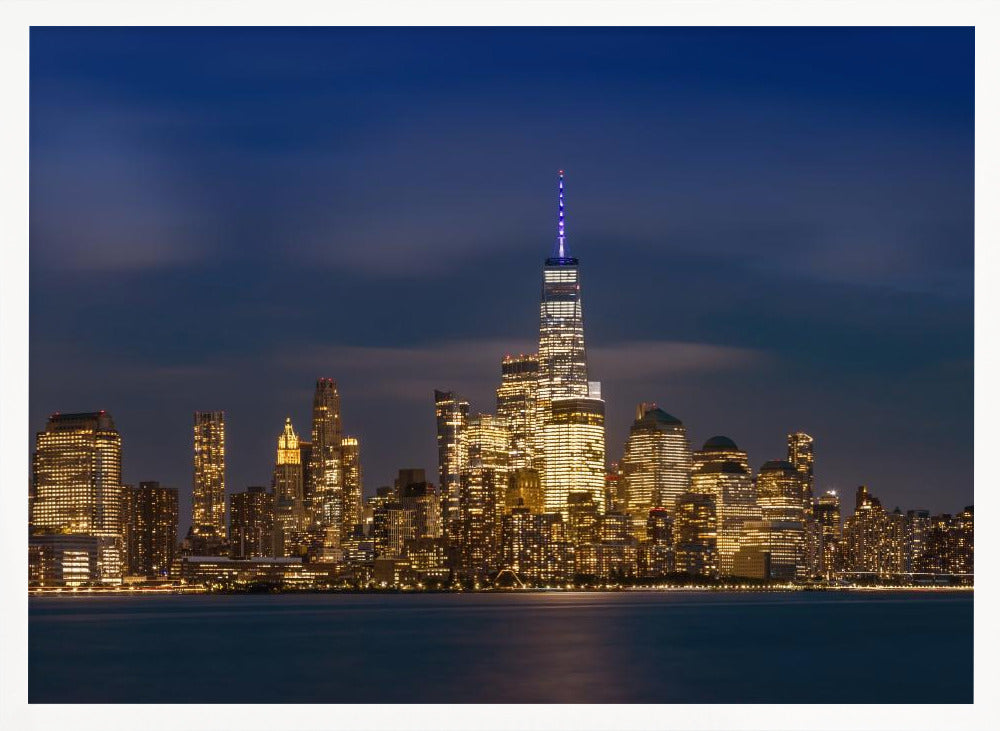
(727, 346)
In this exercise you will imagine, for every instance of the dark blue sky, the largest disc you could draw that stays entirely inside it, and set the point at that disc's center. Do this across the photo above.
(775, 229)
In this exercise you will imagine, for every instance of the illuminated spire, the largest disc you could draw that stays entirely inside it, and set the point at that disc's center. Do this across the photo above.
(562, 219)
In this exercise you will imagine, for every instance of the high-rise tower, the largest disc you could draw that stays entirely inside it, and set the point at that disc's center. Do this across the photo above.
(208, 504)
(452, 418)
(516, 408)
(325, 470)
(570, 419)
(289, 509)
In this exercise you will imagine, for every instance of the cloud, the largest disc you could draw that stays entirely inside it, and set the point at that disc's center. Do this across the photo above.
(472, 368)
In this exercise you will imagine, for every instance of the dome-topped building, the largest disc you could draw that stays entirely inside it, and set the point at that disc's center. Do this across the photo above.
(719, 450)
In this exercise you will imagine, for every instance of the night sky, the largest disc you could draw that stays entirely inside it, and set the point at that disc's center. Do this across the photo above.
(774, 227)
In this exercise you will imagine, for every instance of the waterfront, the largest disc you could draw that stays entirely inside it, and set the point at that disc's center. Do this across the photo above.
(568, 647)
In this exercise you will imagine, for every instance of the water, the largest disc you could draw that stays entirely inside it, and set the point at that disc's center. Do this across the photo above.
(630, 647)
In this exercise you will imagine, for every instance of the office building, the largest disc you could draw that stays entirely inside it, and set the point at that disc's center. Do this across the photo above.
(251, 523)
(350, 469)
(573, 442)
(517, 409)
(208, 500)
(290, 519)
(656, 468)
(325, 485)
(483, 487)
(695, 535)
(76, 470)
(149, 533)
(452, 415)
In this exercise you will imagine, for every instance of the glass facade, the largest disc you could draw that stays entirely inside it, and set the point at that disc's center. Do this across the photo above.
(208, 503)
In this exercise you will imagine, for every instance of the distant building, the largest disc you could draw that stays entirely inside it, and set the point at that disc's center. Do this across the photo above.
(149, 529)
(731, 487)
(535, 548)
(251, 523)
(582, 519)
(452, 416)
(517, 407)
(752, 562)
(573, 444)
(695, 536)
(779, 492)
(828, 518)
(656, 468)
(208, 501)
(783, 542)
(76, 469)
(483, 486)
(290, 520)
(325, 485)
(524, 489)
(422, 498)
(350, 467)
(570, 412)
(869, 546)
(66, 559)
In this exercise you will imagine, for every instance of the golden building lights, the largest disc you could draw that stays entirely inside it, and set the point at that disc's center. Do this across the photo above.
(573, 442)
(656, 468)
(350, 469)
(289, 508)
(517, 408)
(452, 414)
(208, 503)
(326, 483)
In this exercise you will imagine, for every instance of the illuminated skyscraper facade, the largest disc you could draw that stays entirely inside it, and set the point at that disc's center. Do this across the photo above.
(77, 467)
(517, 409)
(149, 529)
(562, 376)
(695, 535)
(731, 488)
(827, 513)
(251, 523)
(77, 473)
(350, 470)
(483, 486)
(801, 456)
(573, 442)
(656, 468)
(290, 519)
(325, 468)
(452, 415)
(208, 502)
(779, 491)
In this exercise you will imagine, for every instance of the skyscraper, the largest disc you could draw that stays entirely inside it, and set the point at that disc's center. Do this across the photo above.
(483, 486)
(208, 503)
(573, 441)
(656, 468)
(77, 472)
(350, 470)
(251, 523)
(150, 529)
(562, 359)
(289, 509)
(516, 406)
(827, 512)
(77, 467)
(696, 543)
(801, 455)
(731, 488)
(452, 415)
(326, 490)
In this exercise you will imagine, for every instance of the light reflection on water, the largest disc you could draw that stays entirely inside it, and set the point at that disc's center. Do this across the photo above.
(646, 647)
